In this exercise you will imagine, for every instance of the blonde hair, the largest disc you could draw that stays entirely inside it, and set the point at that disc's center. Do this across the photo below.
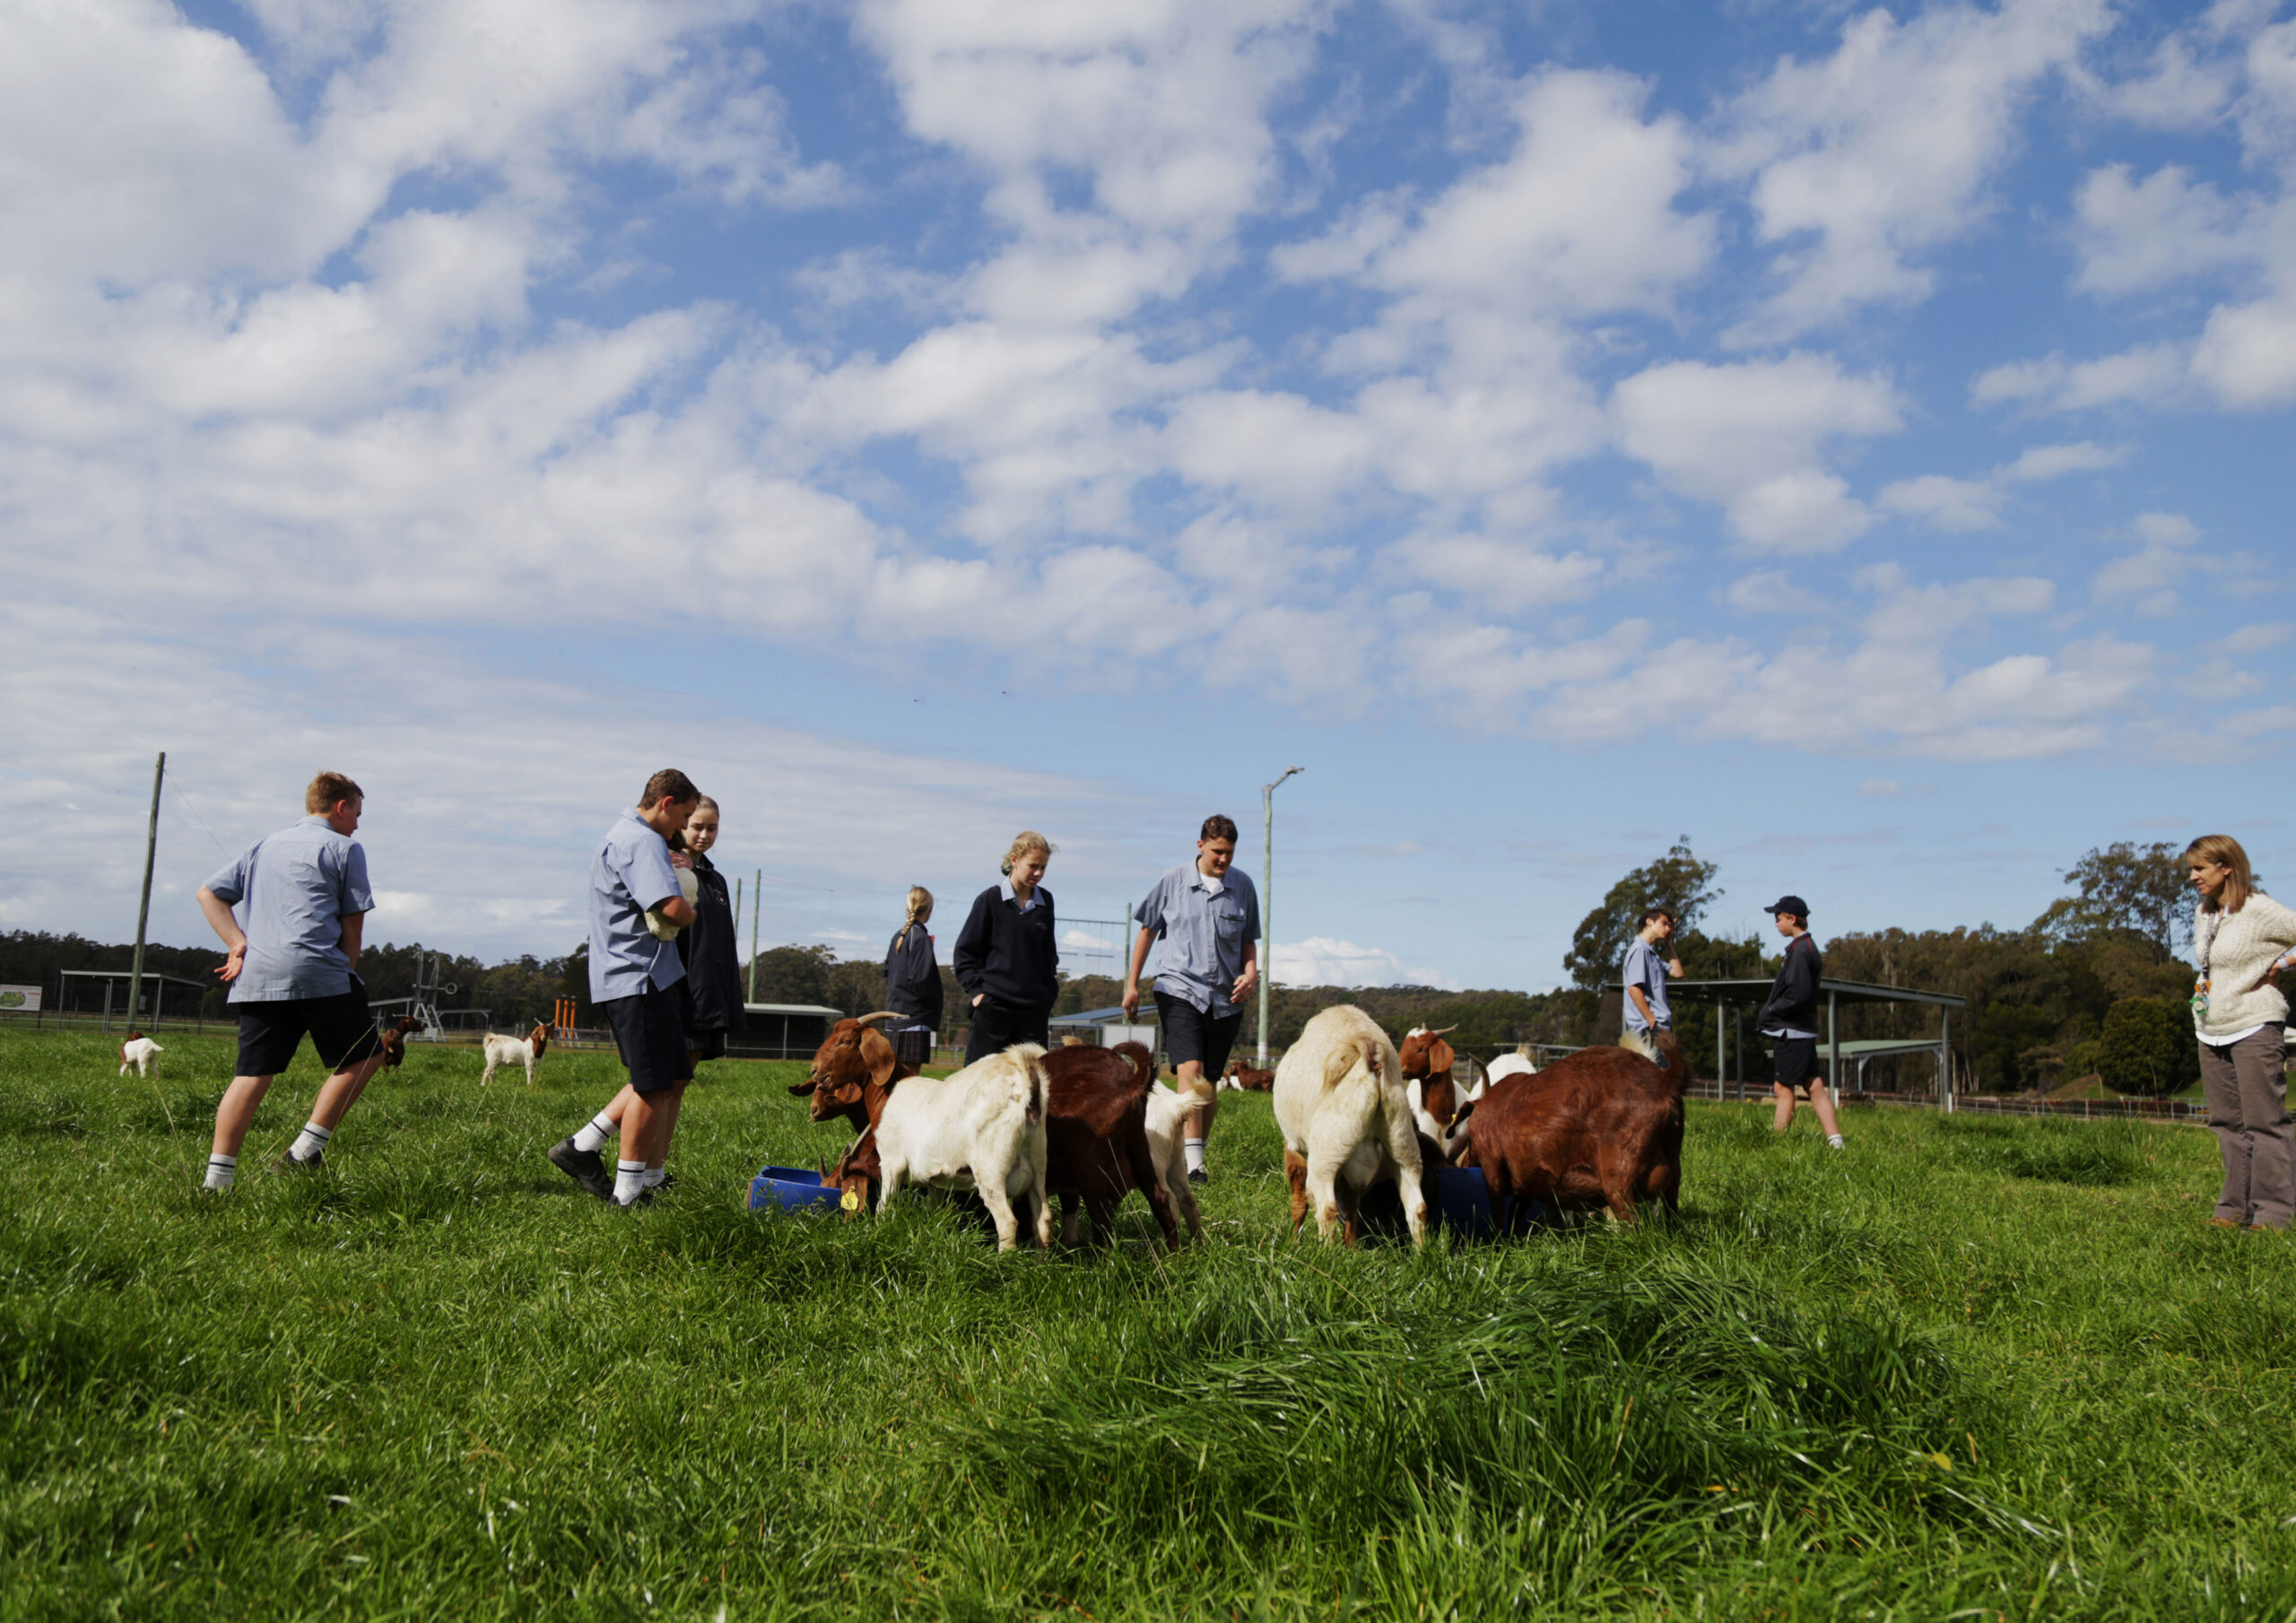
(706, 801)
(1024, 842)
(2224, 852)
(920, 908)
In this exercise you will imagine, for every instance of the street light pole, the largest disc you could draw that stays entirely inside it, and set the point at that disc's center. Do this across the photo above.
(1268, 899)
(144, 907)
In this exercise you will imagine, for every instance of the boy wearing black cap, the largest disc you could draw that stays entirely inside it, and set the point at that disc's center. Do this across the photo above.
(1789, 1018)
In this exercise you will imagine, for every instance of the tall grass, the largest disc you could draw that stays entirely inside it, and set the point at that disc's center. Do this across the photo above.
(1969, 1368)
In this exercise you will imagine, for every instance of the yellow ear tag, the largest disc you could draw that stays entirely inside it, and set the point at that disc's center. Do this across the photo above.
(852, 1201)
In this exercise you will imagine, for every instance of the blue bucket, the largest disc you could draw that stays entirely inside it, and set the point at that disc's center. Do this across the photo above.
(791, 1189)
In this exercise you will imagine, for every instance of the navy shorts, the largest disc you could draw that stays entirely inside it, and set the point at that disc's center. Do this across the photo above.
(1190, 1033)
(651, 1037)
(340, 1028)
(1796, 1059)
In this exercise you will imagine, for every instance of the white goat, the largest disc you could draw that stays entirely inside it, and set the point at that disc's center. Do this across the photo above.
(1166, 1112)
(1455, 1137)
(1346, 1122)
(139, 1052)
(982, 1127)
(515, 1051)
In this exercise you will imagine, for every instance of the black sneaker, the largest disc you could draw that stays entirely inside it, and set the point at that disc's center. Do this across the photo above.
(644, 1197)
(669, 1182)
(583, 1167)
(1198, 1176)
(287, 1163)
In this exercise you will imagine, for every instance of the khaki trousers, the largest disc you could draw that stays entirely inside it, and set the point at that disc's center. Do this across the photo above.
(2247, 1087)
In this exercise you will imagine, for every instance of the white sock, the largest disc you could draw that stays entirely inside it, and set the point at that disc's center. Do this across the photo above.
(628, 1181)
(1194, 1150)
(595, 1131)
(655, 1174)
(220, 1170)
(1835, 1142)
(309, 1141)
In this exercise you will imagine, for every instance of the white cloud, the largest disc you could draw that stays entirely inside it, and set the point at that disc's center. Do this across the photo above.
(2135, 236)
(1750, 435)
(2248, 353)
(1880, 788)
(2151, 373)
(2257, 639)
(2149, 574)
(1866, 159)
(1322, 961)
(1773, 592)
(1509, 576)
(1975, 504)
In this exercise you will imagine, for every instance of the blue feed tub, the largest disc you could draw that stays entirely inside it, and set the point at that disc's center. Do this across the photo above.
(1462, 1208)
(791, 1189)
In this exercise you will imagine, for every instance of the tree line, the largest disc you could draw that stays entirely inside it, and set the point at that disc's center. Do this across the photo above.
(2094, 986)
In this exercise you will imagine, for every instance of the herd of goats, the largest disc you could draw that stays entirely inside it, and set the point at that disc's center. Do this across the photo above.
(1599, 1129)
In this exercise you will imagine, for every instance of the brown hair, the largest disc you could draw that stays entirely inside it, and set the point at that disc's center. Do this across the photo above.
(327, 789)
(920, 908)
(671, 782)
(1217, 826)
(2223, 851)
(1026, 840)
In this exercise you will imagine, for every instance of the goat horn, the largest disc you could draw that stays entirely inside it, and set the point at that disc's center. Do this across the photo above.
(870, 1019)
(1443, 1031)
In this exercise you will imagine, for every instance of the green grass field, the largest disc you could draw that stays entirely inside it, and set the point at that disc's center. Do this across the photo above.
(1972, 1367)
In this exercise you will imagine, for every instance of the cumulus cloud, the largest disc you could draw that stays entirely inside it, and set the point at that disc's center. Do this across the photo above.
(1323, 961)
(2150, 373)
(1975, 504)
(1864, 160)
(1749, 437)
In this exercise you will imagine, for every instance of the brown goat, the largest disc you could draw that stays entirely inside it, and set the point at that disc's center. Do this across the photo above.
(1602, 1126)
(394, 1038)
(1248, 1079)
(1096, 1137)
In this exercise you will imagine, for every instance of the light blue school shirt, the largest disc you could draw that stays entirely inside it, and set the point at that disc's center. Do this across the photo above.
(1645, 968)
(1205, 936)
(632, 873)
(290, 892)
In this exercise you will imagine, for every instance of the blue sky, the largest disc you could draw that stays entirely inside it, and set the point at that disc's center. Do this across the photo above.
(1856, 439)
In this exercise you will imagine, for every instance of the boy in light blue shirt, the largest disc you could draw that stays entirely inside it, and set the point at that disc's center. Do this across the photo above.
(1645, 974)
(293, 970)
(633, 980)
(1206, 913)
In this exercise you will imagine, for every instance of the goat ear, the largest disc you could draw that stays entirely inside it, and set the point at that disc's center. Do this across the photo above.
(801, 1088)
(877, 1054)
(1441, 1058)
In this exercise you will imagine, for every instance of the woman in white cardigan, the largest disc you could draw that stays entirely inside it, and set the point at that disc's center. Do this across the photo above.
(2242, 938)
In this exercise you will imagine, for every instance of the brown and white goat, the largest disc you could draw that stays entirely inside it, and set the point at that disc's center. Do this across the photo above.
(138, 1053)
(1600, 1127)
(982, 1128)
(854, 1058)
(515, 1051)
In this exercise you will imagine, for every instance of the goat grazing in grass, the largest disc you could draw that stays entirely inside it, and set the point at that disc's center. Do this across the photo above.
(1346, 1123)
(1600, 1127)
(138, 1052)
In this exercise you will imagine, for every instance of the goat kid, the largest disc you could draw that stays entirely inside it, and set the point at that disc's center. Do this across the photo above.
(1346, 1123)
(982, 1128)
(394, 1038)
(139, 1053)
(1096, 1140)
(515, 1051)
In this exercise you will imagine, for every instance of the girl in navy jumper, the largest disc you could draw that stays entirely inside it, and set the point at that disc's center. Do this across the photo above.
(1007, 960)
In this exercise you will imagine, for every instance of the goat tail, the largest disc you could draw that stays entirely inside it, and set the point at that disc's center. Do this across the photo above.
(1142, 1062)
